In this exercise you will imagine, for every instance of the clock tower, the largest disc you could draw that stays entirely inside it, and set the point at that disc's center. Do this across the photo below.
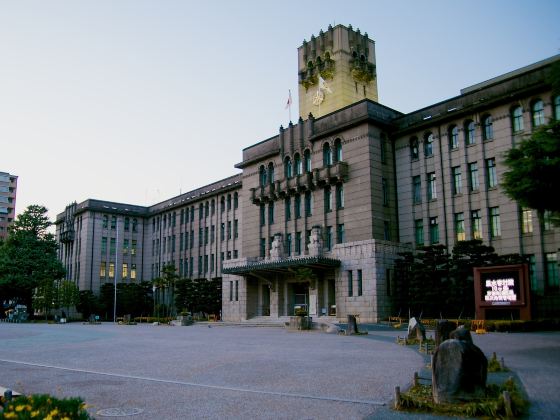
(336, 69)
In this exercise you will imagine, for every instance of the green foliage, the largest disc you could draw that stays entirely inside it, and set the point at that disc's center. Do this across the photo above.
(432, 282)
(199, 295)
(419, 398)
(132, 298)
(534, 170)
(88, 304)
(28, 257)
(44, 407)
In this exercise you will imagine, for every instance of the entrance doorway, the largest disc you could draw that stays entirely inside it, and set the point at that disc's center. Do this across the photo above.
(265, 302)
(299, 298)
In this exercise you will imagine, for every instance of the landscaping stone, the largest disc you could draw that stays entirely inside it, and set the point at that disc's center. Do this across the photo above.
(459, 370)
(416, 330)
(461, 334)
(443, 329)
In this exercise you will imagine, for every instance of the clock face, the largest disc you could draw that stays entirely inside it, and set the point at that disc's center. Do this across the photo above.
(318, 97)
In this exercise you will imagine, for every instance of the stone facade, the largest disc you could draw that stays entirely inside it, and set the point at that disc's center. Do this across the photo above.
(320, 211)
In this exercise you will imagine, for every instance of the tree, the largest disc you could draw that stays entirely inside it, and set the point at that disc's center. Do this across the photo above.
(68, 295)
(28, 257)
(534, 170)
(88, 304)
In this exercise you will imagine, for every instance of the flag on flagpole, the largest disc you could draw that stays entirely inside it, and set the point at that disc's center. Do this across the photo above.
(289, 103)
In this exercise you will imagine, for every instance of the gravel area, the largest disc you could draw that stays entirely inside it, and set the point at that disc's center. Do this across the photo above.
(207, 372)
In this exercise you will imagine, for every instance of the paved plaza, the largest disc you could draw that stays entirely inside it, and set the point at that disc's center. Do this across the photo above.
(209, 371)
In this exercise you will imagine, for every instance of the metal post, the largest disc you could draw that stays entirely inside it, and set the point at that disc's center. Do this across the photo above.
(116, 273)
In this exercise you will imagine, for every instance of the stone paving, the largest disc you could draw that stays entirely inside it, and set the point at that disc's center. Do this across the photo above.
(237, 372)
(202, 372)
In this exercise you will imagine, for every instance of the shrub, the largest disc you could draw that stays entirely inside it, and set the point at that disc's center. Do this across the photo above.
(44, 407)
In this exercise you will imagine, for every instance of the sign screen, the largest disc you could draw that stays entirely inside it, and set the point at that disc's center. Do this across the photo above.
(500, 288)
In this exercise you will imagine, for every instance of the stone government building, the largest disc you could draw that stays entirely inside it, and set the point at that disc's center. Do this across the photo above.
(337, 196)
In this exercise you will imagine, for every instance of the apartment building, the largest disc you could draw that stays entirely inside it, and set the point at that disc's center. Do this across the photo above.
(8, 192)
(319, 212)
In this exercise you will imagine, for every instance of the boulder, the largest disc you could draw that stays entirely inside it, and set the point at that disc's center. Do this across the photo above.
(416, 330)
(461, 334)
(459, 370)
(443, 330)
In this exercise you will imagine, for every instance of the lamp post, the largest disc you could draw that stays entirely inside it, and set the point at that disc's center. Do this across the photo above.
(116, 273)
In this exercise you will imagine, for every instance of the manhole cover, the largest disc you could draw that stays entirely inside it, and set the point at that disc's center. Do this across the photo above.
(119, 412)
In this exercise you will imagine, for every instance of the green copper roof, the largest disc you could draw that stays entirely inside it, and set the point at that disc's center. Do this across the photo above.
(283, 265)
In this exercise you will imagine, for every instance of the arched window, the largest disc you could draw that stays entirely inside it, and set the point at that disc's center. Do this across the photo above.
(487, 129)
(271, 173)
(213, 206)
(297, 164)
(262, 176)
(307, 160)
(538, 113)
(556, 103)
(469, 132)
(338, 150)
(287, 167)
(414, 153)
(327, 155)
(222, 204)
(429, 144)
(453, 137)
(517, 119)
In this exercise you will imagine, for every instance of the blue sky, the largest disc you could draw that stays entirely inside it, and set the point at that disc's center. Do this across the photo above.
(135, 101)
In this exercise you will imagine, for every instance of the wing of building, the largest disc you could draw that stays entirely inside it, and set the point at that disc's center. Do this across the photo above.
(8, 192)
(319, 212)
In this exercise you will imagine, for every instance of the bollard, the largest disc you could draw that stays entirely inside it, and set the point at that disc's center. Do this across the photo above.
(397, 397)
(8, 395)
(507, 404)
(415, 380)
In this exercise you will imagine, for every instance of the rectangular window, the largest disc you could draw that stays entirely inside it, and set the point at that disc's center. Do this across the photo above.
(527, 221)
(212, 233)
(340, 196)
(385, 191)
(235, 253)
(125, 270)
(434, 230)
(460, 226)
(476, 224)
(205, 264)
(386, 230)
(288, 208)
(222, 231)
(383, 151)
(473, 176)
(308, 203)
(350, 283)
(495, 229)
(125, 246)
(298, 243)
(328, 238)
(432, 192)
(547, 220)
(236, 290)
(206, 234)
(212, 264)
(103, 270)
(552, 278)
(262, 247)
(191, 265)
(340, 233)
(271, 213)
(111, 270)
(172, 239)
(126, 224)
(229, 229)
(328, 199)
(262, 215)
(289, 244)
(200, 236)
(419, 231)
(297, 206)
(236, 228)
(231, 291)
(113, 245)
(457, 182)
(491, 176)
(105, 221)
(416, 189)
(132, 271)
(182, 217)
(359, 282)
(113, 222)
(199, 265)
(103, 245)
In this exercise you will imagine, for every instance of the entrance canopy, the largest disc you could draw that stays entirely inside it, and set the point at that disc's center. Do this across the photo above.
(284, 265)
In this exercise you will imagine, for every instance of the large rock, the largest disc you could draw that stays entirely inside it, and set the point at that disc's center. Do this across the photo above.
(416, 330)
(443, 329)
(459, 370)
(461, 334)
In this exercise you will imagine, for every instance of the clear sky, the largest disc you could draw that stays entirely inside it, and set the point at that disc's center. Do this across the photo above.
(136, 101)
